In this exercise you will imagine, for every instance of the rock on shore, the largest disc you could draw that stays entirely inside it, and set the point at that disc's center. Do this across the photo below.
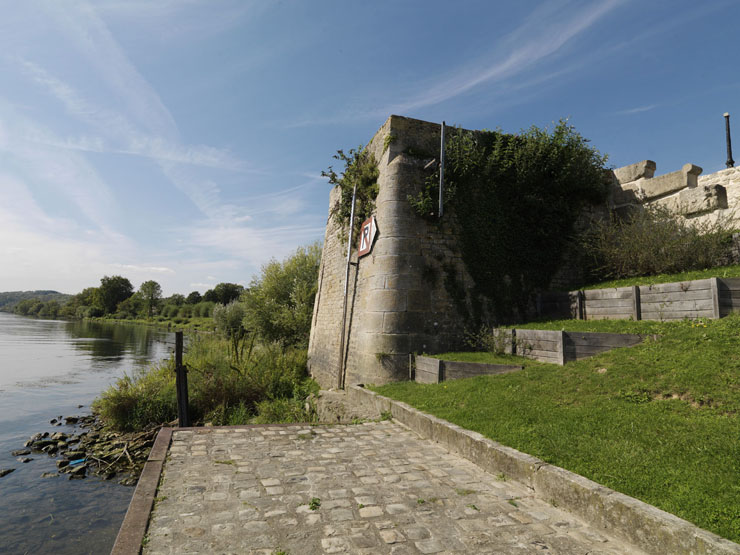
(90, 448)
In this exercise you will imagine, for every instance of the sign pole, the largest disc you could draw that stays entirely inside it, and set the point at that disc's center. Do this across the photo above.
(341, 370)
(441, 170)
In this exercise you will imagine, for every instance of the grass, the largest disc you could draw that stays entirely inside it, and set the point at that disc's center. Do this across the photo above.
(180, 323)
(658, 421)
(720, 272)
(270, 386)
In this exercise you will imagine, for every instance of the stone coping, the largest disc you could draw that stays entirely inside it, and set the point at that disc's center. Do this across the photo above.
(624, 517)
(133, 528)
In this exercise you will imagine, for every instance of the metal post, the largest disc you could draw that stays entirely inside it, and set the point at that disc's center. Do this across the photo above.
(340, 373)
(181, 384)
(730, 162)
(441, 170)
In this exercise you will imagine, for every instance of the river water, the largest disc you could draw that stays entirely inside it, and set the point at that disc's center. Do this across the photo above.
(47, 369)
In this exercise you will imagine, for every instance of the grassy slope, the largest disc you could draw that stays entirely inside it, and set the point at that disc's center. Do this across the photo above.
(721, 272)
(658, 421)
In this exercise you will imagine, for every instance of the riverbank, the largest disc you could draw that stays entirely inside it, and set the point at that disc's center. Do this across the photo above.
(50, 368)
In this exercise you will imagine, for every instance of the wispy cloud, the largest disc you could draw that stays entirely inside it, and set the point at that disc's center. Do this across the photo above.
(143, 269)
(637, 110)
(121, 134)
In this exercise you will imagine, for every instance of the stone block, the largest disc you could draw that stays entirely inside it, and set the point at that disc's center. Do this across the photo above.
(419, 300)
(670, 182)
(402, 322)
(702, 199)
(387, 300)
(633, 172)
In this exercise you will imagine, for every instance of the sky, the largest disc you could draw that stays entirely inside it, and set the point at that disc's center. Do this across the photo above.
(183, 141)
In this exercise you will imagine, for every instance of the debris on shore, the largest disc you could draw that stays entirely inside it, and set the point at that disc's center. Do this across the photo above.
(91, 449)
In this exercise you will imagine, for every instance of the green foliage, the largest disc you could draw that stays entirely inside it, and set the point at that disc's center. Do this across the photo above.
(229, 320)
(657, 421)
(516, 198)
(279, 303)
(9, 299)
(360, 170)
(112, 291)
(220, 390)
(151, 293)
(653, 241)
(223, 293)
(193, 298)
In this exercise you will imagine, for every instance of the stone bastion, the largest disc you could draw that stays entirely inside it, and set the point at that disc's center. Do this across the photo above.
(399, 299)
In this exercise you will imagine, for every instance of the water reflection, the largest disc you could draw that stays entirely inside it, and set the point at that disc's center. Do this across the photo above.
(47, 369)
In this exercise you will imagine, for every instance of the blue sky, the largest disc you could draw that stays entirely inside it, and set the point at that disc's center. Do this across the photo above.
(183, 141)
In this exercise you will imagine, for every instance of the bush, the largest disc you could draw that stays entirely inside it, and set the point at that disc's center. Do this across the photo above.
(654, 241)
(279, 304)
(220, 391)
(516, 199)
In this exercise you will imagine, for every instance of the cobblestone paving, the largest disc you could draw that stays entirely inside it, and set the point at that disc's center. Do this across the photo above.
(370, 488)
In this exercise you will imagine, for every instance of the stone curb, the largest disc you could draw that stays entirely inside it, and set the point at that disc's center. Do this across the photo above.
(133, 528)
(631, 520)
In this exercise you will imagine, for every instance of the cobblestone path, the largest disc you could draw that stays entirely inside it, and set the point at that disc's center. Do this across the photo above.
(370, 488)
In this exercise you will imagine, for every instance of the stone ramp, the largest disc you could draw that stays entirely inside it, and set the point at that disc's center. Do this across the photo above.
(369, 488)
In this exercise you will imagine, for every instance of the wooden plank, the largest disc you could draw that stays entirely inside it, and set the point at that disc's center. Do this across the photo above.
(608, 303)
(612, 340)
(618, 293)
(655, 297)
(561, 348)
(427, 370)
(699, 304)
(613, 310)
(636, 309)
(455, 370)
(677, 286)
(541, 355)
(677, 315)
(730, 294)
(715, 296)
(732, 284)
(547, 335)
(609, 316)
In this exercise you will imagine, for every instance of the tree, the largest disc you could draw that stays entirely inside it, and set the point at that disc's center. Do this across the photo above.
(193, 298)
(210, 296)
(279, 304)
(112, 291)
(229, 320)
(151, 293)
(227, 292)
(176, 299)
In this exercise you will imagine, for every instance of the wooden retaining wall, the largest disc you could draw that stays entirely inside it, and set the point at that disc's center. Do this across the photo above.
(434, 370)
(701, 298)
(559, 347)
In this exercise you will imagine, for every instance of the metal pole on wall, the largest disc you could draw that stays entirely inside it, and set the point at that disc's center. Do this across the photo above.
(441, 169)
(730, 162)
(341, 370)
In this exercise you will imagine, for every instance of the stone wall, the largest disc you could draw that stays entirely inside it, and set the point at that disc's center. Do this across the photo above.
(702, 199)
(398, 300)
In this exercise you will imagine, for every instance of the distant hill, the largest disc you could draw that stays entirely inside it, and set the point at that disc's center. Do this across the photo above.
(9, 299)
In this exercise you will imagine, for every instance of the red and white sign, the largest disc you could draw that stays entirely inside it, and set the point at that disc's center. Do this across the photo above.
(368, 231)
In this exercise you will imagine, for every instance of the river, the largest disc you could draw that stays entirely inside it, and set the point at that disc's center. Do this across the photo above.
(47, 369)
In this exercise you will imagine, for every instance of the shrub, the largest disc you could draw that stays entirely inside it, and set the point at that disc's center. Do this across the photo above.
(279, 304)
(220, 390)
(653, 241)
(516, 199)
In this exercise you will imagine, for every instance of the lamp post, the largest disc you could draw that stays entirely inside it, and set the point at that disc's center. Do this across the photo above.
(730, 161)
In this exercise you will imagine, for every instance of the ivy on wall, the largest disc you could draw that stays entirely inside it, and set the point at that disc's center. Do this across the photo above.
(516, 199)
(360, 168)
